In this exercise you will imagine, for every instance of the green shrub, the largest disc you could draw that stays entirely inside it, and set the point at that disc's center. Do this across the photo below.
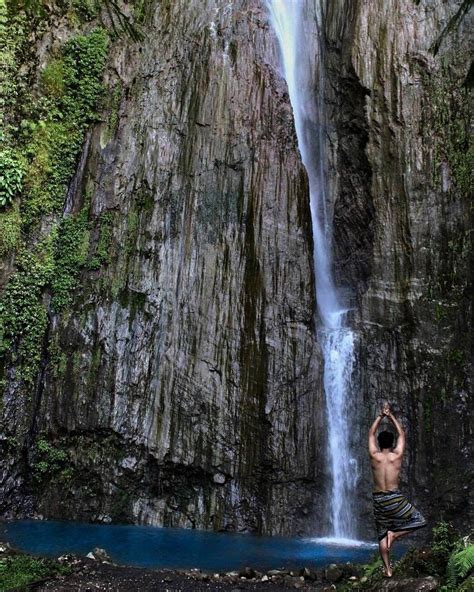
(19, 570)
(49, 460)
(10, 230)
(460, 564)
(70, 253)
(74, 86)
(11, 176)
(445, 538)
(23, 317)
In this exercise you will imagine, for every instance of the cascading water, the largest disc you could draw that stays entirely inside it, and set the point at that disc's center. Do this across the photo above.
(297, 24)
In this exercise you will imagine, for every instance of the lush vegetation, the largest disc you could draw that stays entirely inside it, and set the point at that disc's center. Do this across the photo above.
(449, 558)
(42, 134)
(19, 570)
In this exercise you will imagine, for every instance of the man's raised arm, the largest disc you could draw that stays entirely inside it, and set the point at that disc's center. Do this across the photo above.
(373, 429)
(400, 447)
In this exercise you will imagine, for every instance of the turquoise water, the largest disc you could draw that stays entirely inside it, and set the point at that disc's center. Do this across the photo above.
(149, 546)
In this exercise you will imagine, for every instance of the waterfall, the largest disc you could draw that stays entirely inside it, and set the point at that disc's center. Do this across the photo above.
(297, 24)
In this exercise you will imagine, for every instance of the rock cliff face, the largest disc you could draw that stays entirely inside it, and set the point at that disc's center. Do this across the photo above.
(181, 382)
(184, 388)
(400, 172)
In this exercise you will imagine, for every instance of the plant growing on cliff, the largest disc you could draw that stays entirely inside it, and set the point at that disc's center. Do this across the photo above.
(49, 460)
(10, 230)
(11, 176)
(87, 10)
(70, 253)
(49, 138)
(461, 562)
(23, 317)
(73, 88)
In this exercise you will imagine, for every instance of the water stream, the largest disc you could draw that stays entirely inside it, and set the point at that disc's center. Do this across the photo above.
(298, 25)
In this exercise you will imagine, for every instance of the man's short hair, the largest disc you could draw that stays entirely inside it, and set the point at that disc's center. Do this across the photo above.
(385, 439)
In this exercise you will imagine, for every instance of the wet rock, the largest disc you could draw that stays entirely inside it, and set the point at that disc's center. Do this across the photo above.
(99, 554)
(6, 548)
(212, 295)
(333, 573)
(129, 463)
(278, 572)
(219, 478)
(247, 572)
(351, 569)
(394, 225)
(427, 584)
(308, 574)
(104, 519)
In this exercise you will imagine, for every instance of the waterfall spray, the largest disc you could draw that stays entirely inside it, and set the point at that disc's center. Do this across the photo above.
(297, 24)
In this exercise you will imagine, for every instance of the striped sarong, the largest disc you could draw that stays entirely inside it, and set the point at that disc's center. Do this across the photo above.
(392, 511)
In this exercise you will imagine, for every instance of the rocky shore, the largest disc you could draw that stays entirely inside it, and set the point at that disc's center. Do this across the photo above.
(96, 571)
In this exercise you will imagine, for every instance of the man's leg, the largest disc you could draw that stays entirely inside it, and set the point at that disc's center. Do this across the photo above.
(384, 553)
(393, 536)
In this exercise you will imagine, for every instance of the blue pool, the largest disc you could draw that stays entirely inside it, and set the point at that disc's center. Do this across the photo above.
(149, 546)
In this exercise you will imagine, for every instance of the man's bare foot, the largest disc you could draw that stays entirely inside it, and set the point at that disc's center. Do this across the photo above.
(387, 571)
(387, 566)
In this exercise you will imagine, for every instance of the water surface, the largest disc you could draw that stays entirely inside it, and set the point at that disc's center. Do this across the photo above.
(149, 546)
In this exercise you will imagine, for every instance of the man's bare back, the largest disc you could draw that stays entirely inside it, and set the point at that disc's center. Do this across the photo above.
(386, 470)
(386, 463)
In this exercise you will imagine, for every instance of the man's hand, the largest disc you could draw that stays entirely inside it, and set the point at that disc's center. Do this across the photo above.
(400, 447)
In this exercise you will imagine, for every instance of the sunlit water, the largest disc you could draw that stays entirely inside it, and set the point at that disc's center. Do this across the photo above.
(149, 546)
(297, 25)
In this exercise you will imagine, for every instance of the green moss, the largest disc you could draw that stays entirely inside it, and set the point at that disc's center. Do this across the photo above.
(47, 128)
(10, 230)
(450, 118)
(117, 284)
(86, 9)
(20, 570)
(120, 505)
(73, 85)
(53, 150)
(70, 254)
(57, 360)
(103, 244)
(52, 79)
(113, 108)
(11, 176)
(144, 200)
(23, 317)
(49, 460)
(13, 29)
(132, 232)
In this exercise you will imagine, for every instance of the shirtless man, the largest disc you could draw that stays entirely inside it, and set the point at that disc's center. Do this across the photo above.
(394, 515)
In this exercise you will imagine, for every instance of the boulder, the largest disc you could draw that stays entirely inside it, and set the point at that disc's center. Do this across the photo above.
(409, 585)
(5, 548)
(333, 573)
(101, 555)
(247, 572)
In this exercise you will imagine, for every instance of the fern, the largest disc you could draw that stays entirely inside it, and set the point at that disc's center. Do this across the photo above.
(460, 564)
